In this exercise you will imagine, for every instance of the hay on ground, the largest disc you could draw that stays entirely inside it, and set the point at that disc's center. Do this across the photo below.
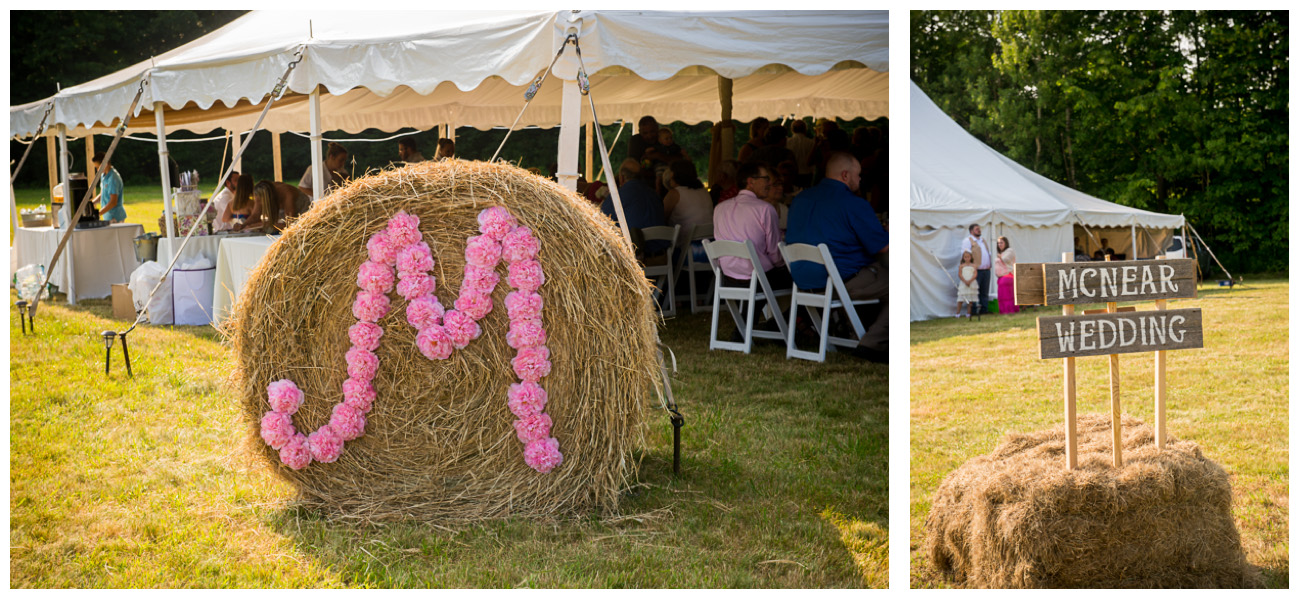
(439, 442)
(1017, 518)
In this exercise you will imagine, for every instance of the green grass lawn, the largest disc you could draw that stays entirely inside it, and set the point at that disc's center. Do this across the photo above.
(973, 382)
(144, 203)
(143, 482)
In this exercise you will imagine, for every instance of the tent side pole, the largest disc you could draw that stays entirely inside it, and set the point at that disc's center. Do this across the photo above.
(238, 140)
(317, 172)
(164, 167)
(570, 122)
(276, 157)
(590, 152)
(1133, 235)
(51, 158)
(90, 156)
(63, 175)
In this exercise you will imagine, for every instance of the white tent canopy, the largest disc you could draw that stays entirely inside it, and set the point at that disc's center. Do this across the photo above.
(420, 69)
(956, 181)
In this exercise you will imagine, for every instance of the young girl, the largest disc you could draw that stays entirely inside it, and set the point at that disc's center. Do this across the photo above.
(967, 292)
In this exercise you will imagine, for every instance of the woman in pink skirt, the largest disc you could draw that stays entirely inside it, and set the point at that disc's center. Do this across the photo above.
(1004, 268)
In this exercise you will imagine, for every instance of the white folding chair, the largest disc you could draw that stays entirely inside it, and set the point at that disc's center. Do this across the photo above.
(830, 297)
(687, 263)
(664, 271)
(733, 295)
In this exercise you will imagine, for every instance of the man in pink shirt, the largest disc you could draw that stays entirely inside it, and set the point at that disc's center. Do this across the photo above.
(747, 217)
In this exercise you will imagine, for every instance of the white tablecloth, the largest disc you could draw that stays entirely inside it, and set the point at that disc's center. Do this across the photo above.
(100, 257)
(235, 261)
(207, 246)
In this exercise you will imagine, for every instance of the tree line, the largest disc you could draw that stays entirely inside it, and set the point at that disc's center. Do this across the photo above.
(1181, 112)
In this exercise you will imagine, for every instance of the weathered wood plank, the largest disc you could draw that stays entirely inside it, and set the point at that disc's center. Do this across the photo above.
(1029, 284)
(1121, 281)
(1119, 333)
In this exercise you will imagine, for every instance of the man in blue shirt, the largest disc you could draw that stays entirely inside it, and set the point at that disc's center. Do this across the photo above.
(831, 213)
(110, 192)
(642, 207)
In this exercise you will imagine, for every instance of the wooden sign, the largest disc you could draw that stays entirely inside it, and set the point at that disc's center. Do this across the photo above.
(1119, 333)
(1059, 284)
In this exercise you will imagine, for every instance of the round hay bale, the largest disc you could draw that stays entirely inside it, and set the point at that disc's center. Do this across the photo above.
(1017, 518)
(439, 441)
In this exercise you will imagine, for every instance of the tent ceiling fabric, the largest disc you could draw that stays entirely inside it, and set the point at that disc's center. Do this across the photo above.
(393, 70)
(957, 180)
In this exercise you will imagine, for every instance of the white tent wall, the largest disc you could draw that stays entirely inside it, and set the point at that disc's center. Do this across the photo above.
(957, 180)
(936, 254)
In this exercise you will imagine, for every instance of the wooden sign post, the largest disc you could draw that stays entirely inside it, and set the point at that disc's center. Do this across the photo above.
(1113, 331)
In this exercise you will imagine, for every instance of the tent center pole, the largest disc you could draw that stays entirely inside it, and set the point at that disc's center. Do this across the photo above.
(164, 167)
(570, 124)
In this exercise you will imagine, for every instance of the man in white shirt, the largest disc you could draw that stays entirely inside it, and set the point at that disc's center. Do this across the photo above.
(221, 200)
(983, 263)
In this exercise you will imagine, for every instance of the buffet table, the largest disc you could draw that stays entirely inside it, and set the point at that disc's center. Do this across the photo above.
(92, 262)
(235, 260)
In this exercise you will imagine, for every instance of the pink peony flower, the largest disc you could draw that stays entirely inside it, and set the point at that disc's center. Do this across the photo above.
(533, 427)
(404, 229)
(325, 444)
(296, 452)
(362, 364)
(524, 306)
(526, 275)
(476, 306)
(482, 251)
(370, 306)
(365, 335)
(473, 273)
(359, 393)
(348, 422)
(375, 277)
(461, 328)
(424, 312)
(532, 364)
(434, 342)
(525, 334)
(543, 455)
(284, 396)
(520, 245)
(414, 259)
(496, 222)
(415, 286)
(381, 249)
(277, 429)
(526, 399)
(478, 287)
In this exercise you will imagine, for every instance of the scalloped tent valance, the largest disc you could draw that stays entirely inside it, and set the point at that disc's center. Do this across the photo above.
(392, 70)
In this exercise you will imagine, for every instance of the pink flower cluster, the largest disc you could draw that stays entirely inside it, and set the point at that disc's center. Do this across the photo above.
(440, 332)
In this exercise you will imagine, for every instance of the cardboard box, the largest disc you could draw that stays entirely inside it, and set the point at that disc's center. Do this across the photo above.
(123, 306)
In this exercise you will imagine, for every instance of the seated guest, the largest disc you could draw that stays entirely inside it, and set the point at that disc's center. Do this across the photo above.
(446, 149)
(642, 207)
(408, 152)
(644, 147)
(219, 203)
(670, 149)
(335, 158)
(279, 202)
(243, 212)
(687, 204)
(757, 129)
(749, 217)
(725, 187)
(831, 213)
(773, 151)
(776, 197)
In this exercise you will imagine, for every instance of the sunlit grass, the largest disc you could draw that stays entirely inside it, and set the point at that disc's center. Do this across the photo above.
(143, 482)
(973, 382)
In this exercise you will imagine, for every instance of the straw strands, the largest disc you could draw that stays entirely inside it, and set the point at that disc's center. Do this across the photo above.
(440, 443)
(1017, 518)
